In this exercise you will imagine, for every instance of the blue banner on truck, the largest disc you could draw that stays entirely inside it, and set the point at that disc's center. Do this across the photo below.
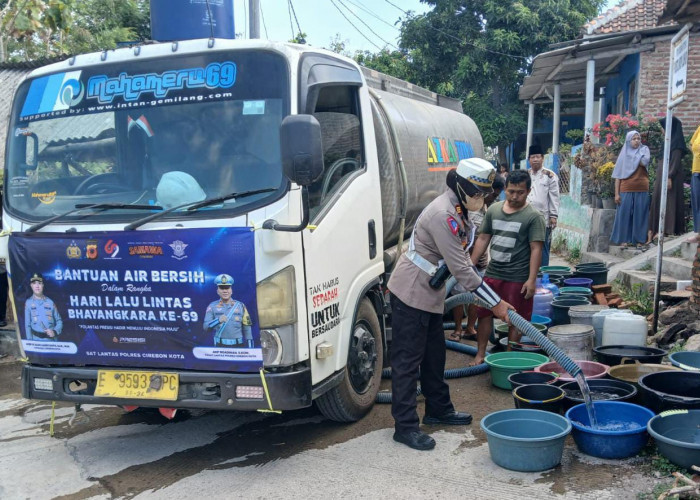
(179, 299)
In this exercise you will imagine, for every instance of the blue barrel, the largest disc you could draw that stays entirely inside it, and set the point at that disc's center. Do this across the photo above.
(189, 19)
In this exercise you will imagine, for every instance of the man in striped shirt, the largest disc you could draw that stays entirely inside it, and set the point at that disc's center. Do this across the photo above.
(516, 232)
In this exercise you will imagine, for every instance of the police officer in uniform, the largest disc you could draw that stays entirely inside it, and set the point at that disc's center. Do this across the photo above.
(41, 318)
(441, 234)
(228, 319)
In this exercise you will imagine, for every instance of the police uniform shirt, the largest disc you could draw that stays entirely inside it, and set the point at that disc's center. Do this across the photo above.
(236, 328)
(39, 315)
(544, 193)
(440, 233)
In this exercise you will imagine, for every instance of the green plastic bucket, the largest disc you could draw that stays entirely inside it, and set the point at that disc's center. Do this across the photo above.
(555, 269)
(576, 290)
(504, 364)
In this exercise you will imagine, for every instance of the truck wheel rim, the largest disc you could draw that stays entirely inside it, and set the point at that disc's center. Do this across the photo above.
(362, 358)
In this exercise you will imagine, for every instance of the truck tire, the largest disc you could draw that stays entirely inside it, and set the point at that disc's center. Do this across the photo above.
(350, 400)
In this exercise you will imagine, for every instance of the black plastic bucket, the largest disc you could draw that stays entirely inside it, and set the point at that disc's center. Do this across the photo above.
(561, 306)
(613, 355)
(598, 275)
(532, 377)
(538, 397)
(670, 391)
(601, 390)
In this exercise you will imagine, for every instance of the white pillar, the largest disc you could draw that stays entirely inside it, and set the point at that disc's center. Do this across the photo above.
(590, 95)
(530, 125)
(557, 118)
(601, 107)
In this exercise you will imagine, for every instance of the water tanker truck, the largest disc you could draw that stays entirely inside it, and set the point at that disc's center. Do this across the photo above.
(210, 223)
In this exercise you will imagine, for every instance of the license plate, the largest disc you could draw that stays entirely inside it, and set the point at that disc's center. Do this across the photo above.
(137, 385)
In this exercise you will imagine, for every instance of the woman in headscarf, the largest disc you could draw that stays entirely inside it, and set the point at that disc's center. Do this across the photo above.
(631, 192)
(674, 223)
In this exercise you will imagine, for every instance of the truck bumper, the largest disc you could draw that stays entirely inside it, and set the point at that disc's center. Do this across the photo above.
(216, 391)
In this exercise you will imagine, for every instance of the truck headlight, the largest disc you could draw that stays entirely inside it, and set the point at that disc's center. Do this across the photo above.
(271, 347)
(277, 300)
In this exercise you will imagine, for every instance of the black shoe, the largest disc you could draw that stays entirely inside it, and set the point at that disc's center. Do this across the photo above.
(451, 418)
(417, 440)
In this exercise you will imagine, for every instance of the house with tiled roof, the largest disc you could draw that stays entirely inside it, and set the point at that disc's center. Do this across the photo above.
(624, 53)
(618, 64)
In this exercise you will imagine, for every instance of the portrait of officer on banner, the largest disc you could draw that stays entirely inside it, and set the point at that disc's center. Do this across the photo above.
(227, 319)
(41, 318)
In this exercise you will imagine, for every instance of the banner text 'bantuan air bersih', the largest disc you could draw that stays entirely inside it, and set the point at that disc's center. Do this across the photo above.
(138, 299)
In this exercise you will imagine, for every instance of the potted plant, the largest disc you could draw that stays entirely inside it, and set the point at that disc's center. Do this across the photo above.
(606, 184)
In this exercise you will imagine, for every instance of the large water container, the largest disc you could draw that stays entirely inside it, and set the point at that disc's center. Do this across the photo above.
(549, 286)
(625, 329)
(542, 301)
(599, 318)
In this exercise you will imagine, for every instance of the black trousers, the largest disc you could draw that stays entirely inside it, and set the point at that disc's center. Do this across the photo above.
(3, 295)
(417, 351)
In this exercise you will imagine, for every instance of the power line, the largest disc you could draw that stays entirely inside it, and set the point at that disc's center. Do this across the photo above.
(291, 4)
(289, 9)
(362, 7)
(356, 28)
(367, 25)
(449, 35)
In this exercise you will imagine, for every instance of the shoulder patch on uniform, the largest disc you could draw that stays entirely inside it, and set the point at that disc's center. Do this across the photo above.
(454, 226)
(549, 173)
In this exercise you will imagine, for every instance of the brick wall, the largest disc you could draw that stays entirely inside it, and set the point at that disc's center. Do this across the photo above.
(653, 84)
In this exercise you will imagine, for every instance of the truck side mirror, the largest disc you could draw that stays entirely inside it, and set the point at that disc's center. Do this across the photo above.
(300, 145)
(302, 162)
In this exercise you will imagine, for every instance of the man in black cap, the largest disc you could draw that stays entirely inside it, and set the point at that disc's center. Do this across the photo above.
(544, 195)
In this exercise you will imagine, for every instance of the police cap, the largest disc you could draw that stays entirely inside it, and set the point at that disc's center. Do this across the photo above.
(479, 173)
(223, 280)
(36, 277)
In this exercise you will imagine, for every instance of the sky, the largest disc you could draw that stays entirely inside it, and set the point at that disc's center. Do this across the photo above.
(374, 21)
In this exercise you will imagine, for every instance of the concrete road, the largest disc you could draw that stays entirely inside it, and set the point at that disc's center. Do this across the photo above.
(106, 453)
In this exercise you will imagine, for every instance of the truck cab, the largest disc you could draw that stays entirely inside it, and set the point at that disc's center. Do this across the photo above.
(136, 178)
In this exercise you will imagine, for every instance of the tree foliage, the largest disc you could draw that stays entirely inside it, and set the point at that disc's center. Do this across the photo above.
(480, 50)
(32, 29)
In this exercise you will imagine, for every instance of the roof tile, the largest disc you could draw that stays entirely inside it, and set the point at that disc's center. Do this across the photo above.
(629, 15)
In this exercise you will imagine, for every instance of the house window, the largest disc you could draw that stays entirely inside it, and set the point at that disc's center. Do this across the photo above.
(620, 103)
(632, 88)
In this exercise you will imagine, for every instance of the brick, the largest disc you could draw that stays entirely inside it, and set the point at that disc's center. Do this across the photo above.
(601, 288)
(615, 302)
(600, 299)
(624, 305)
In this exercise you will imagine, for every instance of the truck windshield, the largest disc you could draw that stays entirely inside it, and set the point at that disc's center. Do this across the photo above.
(190, 129)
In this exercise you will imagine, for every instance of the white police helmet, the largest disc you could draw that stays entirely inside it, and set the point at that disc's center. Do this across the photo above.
(177, 188)
(479, 173)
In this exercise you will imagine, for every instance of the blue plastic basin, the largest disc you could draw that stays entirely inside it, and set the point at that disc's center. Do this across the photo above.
(525, 440)
(677, 436)
(542, 320)
(605, 443)
(686, 360)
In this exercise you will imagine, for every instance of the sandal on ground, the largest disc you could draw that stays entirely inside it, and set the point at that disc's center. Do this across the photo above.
(454, 337)
(468, 336)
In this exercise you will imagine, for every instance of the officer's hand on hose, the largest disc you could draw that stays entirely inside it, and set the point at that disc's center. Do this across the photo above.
(501, 311)
(528, 289)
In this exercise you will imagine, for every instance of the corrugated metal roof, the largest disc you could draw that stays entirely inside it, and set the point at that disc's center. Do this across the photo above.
(567, 65)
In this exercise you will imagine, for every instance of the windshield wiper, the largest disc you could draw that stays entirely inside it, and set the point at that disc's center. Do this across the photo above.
(95, 206)
(196, 205)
